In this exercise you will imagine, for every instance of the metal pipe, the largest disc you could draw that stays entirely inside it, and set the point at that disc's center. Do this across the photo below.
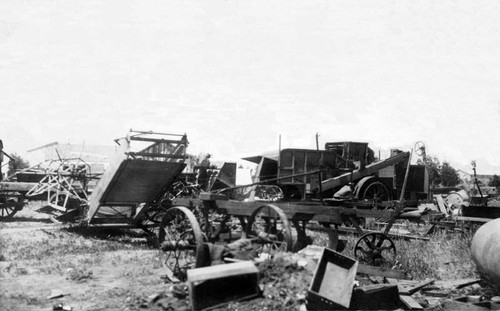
(485, 249)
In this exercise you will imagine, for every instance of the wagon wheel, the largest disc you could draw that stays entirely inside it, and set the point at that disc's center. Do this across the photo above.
(181, 239)
(376, 191)
(375, 249)
(203, 217)
(8, 207)
(270, 227)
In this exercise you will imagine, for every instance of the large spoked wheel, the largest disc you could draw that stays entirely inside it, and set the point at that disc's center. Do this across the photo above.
(181, 239)
(269, 227)
(377, 191)
(7, 211)
(8, 206)
(375, 249)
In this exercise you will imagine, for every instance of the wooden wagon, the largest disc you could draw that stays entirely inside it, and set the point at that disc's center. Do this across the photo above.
(193, 227)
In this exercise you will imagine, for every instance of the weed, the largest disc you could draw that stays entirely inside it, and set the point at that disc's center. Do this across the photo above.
(445, 256)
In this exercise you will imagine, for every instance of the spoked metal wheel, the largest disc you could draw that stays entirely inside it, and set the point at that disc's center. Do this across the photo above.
(10, 203)
(181, 239)
(375, 249)
(269, 227)
(7, 208)
(377, 191)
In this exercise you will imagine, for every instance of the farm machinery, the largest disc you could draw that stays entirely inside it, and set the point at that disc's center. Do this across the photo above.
(144, 164)
(146, 188)
(336, 186)
(12, 194)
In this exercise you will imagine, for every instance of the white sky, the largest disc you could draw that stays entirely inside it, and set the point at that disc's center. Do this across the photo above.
(234, 75)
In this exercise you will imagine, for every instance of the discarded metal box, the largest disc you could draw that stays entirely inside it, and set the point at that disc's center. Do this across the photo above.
(213, 286)
(375, 297)
(333, 281)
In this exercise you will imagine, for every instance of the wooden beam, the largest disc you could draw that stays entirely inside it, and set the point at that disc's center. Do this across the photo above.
(170, 141)
(370, 169)
(17, 186)
(472, 219)
(156, 155)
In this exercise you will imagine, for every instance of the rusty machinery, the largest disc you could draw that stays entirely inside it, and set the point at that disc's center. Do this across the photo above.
(12, 193)
(191, 226)
(135, 191)
(144, 164)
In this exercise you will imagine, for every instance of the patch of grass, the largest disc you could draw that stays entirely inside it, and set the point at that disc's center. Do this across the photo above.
(445, 256)
(62, 244)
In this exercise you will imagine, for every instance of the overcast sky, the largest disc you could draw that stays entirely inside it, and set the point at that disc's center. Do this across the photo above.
(234, 75)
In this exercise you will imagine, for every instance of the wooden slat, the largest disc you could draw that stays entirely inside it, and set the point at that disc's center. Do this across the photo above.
(441, 204)
(472, 219)
(156, 155)
(16, 186)
(467, 283)
(410, 303)
(168, 141)
(222, 271)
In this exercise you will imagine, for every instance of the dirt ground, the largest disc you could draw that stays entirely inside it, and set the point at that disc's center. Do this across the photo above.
(102, 272)
(95, 269)
(98, 269)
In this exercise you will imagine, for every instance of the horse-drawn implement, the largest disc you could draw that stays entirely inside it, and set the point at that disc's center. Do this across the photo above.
(144, 164)
(193, 228)
(140, 189)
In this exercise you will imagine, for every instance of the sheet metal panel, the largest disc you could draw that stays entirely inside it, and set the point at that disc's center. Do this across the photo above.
(138, 181)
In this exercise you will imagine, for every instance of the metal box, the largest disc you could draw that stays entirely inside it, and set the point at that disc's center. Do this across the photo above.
(333, 282)
(213, 286)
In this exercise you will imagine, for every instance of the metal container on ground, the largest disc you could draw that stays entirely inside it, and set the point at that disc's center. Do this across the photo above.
(485, 249)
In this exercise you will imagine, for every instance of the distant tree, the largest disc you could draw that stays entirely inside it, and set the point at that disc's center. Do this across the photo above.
(434, 168)
(494, 181)
(440, 174)
(17, 164)
(449, 176)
